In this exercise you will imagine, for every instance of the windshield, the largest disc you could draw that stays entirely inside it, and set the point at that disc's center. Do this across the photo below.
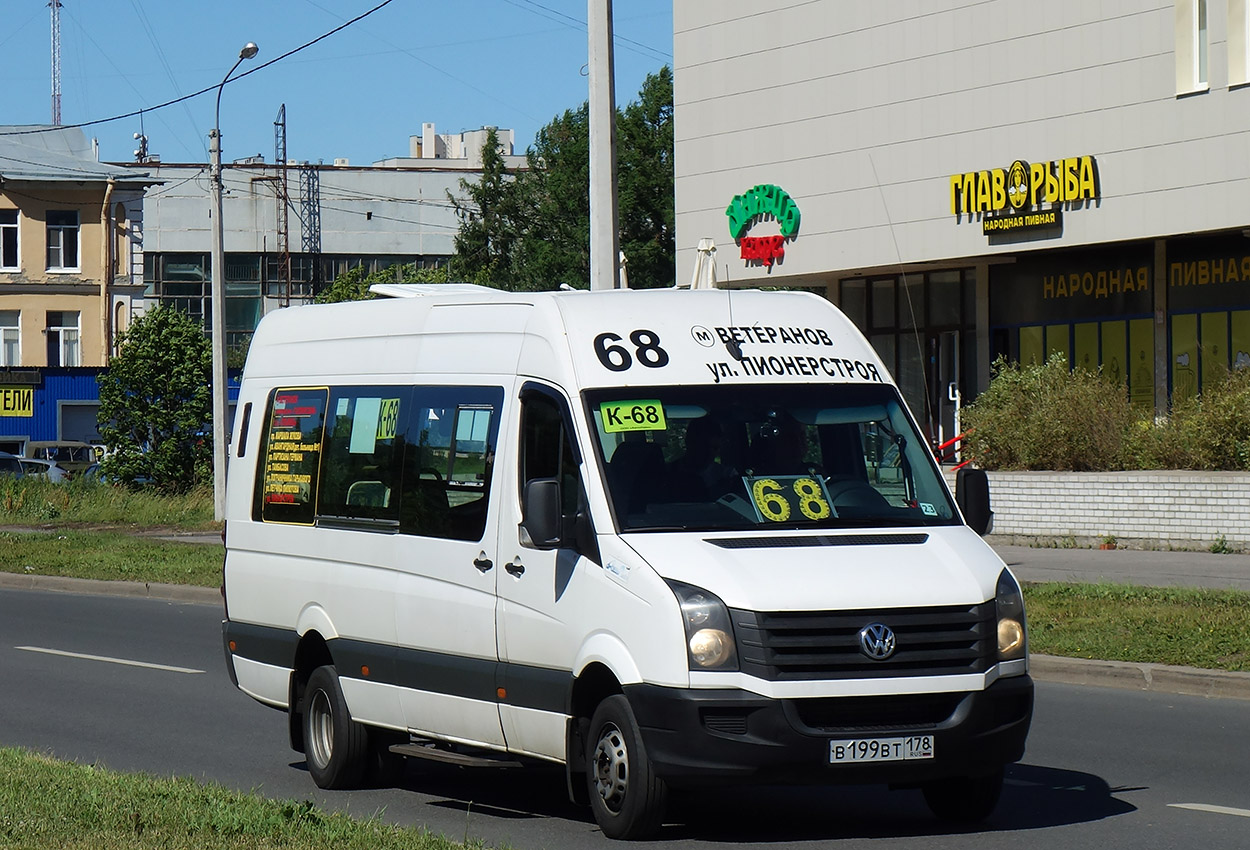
(749, 458)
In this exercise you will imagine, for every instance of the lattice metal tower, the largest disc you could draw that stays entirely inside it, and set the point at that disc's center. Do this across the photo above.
(55, 5)
(310, 208)
(283, 204)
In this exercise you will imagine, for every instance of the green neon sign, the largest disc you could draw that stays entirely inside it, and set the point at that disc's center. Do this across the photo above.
(762, 200)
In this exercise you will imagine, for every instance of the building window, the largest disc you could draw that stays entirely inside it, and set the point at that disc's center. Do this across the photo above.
(62, 240)
(1200, 43)
(10, 338)
(64, 347)
(1191, 46)
(180, 281)
(1238, 32)
(8, 240)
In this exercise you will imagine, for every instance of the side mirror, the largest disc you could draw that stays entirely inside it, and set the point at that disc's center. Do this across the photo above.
(972, 493)
(540, 512)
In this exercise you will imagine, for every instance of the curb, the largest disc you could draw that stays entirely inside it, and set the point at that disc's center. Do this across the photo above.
(99, 587)
(1127, 675)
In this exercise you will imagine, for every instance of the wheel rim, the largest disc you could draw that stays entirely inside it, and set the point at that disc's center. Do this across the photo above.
(320, 729)
(611, 764)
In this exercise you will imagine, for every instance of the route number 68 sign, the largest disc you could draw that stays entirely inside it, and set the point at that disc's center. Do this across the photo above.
(778, 498)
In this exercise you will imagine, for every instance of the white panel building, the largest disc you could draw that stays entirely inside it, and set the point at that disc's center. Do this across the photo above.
(338, 217)
(885, 135)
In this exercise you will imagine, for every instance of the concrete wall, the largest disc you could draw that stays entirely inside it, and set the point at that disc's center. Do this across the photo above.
(863, 111)
(1153, 509)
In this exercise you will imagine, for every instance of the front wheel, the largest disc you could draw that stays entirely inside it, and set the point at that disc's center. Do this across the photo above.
(964, 799)
(626, 796)
(335, 746)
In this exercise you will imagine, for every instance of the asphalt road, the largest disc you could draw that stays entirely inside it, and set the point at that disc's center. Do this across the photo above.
(1104, 769)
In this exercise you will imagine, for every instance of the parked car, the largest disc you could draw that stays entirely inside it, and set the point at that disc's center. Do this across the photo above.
(11, 465)
(38, 468)
(72, 455)
(92, 473)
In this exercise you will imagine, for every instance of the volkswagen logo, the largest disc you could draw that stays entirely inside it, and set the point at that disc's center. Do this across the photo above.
(876, 640)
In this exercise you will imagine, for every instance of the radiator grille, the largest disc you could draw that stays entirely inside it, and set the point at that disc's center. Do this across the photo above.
(801, 645)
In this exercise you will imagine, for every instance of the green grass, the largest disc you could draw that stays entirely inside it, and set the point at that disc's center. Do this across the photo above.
(46, 803)
(1155, 625)
(111, 556)
(36, 502)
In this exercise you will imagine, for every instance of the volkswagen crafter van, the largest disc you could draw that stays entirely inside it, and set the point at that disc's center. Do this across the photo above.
(663, 538)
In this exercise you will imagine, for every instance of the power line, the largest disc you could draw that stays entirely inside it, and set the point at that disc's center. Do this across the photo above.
(186, 97)
(578, 24)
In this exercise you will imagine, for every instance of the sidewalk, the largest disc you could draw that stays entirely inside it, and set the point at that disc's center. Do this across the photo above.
(1125, 566)
(1032, 564)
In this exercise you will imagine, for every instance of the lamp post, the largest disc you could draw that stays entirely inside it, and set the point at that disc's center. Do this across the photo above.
(218, 293)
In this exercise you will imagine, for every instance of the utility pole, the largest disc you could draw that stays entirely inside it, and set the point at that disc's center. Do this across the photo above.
(604, 240)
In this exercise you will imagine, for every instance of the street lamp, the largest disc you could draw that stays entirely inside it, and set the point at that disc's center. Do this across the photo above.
(218, 293)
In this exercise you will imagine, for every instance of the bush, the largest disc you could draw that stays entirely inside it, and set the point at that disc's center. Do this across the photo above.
(1208, 431)
(1048, 417)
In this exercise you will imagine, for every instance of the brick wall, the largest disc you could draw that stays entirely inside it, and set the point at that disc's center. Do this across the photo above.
(1158, 509)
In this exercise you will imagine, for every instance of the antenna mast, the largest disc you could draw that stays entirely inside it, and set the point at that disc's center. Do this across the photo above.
(56, 62)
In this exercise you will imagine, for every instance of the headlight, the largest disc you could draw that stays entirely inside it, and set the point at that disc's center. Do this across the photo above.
(709, 633)
(1009, 603)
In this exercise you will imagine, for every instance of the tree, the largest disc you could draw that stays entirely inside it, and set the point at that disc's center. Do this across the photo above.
(531, 230)
(487, 214)
(156, 404)
(644, 132)
(554, 206)
(353, 284)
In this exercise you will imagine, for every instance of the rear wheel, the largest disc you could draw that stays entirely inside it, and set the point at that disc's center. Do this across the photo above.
(964, 799)
(626, 796)
(335, 746)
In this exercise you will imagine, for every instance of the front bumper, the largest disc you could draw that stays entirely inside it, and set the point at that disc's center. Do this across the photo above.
(700, 737)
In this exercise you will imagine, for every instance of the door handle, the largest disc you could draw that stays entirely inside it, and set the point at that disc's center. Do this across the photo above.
(483, 563)
(515, 568)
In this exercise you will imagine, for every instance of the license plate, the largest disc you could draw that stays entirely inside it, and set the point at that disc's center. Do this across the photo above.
(881, 749)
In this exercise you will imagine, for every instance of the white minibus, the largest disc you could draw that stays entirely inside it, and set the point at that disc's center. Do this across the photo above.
(664, 538)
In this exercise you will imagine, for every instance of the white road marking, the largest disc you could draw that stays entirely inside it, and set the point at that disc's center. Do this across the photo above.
(1204, 807)
(105, 658)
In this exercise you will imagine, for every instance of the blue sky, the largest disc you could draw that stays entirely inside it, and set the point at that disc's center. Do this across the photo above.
(359, 94)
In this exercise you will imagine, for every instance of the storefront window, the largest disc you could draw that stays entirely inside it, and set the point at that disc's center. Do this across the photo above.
(946, 302)
(882, 304)
(853, 300)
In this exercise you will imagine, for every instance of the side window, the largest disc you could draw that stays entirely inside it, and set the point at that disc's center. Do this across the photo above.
(363, 453)
(449, 453)
(546, 451)
(290, 456)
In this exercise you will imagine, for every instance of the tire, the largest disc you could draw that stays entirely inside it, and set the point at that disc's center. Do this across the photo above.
(336, 748)
(626, 796)
(386, 769)
(964, 799)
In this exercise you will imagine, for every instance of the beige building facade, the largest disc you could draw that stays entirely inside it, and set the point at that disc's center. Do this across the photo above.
(70, 260)
(976, 180)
